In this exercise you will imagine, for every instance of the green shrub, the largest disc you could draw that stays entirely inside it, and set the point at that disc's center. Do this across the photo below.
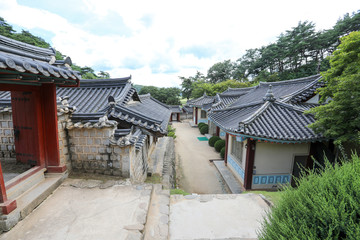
(213, 140)
(204, 129)
(219, 144)
(171, 132)
(222, 152)
(201, 124)
(326, 205)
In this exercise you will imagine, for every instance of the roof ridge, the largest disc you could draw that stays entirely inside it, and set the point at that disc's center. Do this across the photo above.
(290, 81)
(109, 82)
(257, 113)
(291, 95)
(136, 113)
(240, 106)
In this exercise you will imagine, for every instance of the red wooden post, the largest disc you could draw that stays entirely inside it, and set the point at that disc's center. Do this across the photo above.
(217, 131)
(249, 165)
(7, 206)
(50, 123)
(226, 148)
(196, 115)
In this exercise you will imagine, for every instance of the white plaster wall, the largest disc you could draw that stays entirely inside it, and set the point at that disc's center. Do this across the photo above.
(243, 151)
(222, 134)
(314, 99)
(271, 158)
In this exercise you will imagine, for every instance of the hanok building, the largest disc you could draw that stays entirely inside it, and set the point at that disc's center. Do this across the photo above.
(267, 134)
(200, 106)
(176, 112)
(105, 127)
(30, 75)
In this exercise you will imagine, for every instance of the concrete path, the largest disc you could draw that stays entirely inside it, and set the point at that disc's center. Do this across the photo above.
(197, 174)
(232, 183)
(87, 209)
(221, 216)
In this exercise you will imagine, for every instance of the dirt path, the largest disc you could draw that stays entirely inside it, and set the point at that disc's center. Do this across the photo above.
(195, 173)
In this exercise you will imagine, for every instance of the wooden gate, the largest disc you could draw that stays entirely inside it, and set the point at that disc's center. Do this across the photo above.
(28, 132)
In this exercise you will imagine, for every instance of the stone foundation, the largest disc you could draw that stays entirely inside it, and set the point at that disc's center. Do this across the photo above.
(7, 147)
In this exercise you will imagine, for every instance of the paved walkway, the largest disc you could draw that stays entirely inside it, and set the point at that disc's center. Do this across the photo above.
(87, 209)
(220, 216)
(229, 178)
(197, 173)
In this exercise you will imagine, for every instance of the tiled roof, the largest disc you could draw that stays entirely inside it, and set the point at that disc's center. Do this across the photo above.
(92, 95)
(199, 102)
(175, 108)
(149, 113)
(268, 120)
(125, 137)
(237, 91)
(187, 109)
(283, 91)
(34, 65)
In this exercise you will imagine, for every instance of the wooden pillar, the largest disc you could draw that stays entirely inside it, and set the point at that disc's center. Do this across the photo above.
(52, 155)
(7, 206)
(226, 148)
(249, 164)
(217, 131)
(196, 115)
(178, 117)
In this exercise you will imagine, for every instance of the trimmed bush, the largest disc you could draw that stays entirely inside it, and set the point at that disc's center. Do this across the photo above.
(219, 145)
(326, 205)
(222, 152)
(213, 140)
(204, 129)
(201, 124)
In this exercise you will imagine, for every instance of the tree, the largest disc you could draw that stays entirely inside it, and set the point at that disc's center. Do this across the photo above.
(104, 75)
(220, 71)
(170, 96)
(340, 118)
(187, 84)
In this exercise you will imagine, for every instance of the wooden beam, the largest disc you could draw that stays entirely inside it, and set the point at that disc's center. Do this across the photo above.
(226, 148)
(249, 164)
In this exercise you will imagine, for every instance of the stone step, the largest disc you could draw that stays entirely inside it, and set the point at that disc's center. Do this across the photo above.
(25, 184)
(157, 222)
(232, 183)
(30, 199)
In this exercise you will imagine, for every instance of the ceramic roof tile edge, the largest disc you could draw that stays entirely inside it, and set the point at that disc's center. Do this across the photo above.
(106, 82)
(29, 61)
(102, 122)
(228, 91)
(305, 89)
(291, 81)
(136, 138)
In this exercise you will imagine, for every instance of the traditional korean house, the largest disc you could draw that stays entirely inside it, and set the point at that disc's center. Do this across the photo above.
(176, 111)
(29, 123)
(105, 127)
(267, 138)
(200, 105)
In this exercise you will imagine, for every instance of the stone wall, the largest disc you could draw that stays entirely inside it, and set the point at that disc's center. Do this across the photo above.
(7, 148)
(91, 151)
(63, 141)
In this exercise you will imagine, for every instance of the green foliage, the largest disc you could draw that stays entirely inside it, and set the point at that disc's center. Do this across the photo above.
(220, 72)
(211, 89)
(222, 152)
(340, 118)
(104, 75)
(213, 140)
(219, 144)
(204, 129)
(178, 191)
(326, 205)
(200, 125)
(171, 132)
(170, 96)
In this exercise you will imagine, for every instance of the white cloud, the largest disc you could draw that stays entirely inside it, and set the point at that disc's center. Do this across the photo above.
(160, 29)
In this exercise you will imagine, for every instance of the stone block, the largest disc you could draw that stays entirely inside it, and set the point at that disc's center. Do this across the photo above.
(98, 157)
(94, 150)
(90, 157)
(117, 173)
(5, 140)
(77, 133)
(105, 157)
(102, 150)
(86, 149)
(7, 116)
(78, 149)
(82, 141)
(99, 133)
(7, 132)
(112, 157)
(116, 164)
(86, 133)
(117, 150)
(89, 141)
(73, 149)
(105, 141)
(108, 150)
(93, 133)
(97, 141)
(11, 124)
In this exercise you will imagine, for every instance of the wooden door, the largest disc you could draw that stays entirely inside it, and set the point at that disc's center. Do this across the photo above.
(27, 121)
(299, 164)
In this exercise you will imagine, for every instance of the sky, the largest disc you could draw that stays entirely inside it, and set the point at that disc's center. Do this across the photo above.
(157, 41)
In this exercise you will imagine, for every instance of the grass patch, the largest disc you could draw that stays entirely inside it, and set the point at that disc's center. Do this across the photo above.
(178, 191)
(154, 179)
(274, 197)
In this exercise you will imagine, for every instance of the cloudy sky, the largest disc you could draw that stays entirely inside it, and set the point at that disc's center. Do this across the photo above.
(157, 41)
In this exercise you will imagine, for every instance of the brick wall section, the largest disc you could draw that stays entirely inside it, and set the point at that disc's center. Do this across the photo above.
(91, 152)
(7, 147)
